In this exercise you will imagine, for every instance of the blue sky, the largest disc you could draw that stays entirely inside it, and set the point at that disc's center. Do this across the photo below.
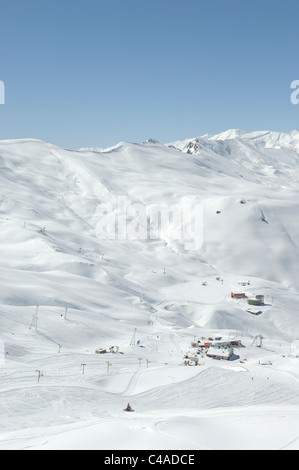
(93, 73)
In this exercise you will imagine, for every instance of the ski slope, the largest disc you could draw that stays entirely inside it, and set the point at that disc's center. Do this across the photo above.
(149, 297)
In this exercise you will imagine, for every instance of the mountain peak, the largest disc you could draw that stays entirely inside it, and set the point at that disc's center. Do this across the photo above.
(262, 139)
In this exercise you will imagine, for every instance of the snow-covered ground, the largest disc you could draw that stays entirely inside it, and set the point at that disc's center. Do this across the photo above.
(149, 297)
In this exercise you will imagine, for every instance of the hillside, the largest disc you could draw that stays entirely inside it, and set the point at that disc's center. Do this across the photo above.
(55, 255)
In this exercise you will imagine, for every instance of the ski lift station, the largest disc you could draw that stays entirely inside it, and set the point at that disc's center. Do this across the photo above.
(220, 352)
(215, 348)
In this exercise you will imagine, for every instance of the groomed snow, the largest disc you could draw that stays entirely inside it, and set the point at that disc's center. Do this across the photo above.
(51, 257)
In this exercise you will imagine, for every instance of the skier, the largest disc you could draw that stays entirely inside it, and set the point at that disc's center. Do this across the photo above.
(129, 408)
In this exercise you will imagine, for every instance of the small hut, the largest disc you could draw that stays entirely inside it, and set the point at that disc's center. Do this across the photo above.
(238, 295)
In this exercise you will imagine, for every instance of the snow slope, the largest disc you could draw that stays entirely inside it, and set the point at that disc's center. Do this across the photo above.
(53, 258)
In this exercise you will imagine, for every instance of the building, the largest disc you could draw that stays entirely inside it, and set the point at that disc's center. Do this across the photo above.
(258, 300)
(230, 343)
(101, 351)
(254, 312)
(238, 295)
(218, 341)
(254, 302)
(220, 352)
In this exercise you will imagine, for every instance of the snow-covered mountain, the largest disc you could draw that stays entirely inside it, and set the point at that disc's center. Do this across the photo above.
(161, 292)
(265, 139)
